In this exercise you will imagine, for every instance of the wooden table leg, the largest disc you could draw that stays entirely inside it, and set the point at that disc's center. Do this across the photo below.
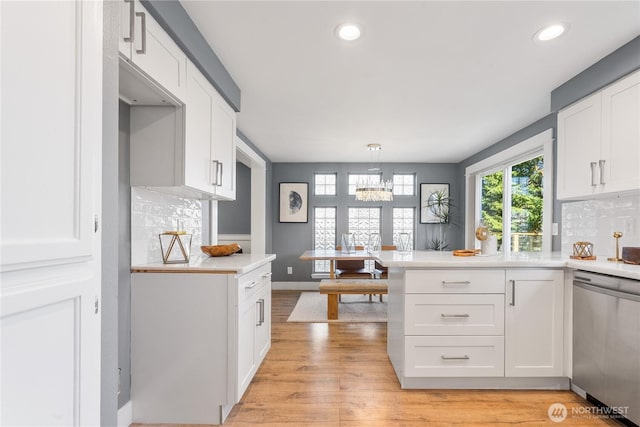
(332, 306)
(332, 269)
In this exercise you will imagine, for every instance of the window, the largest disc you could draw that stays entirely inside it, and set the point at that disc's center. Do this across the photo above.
(363, 222)
(354, 179)
(325, 184)
(403, 222)
(324, 234)
(404, 184)
(513, 197)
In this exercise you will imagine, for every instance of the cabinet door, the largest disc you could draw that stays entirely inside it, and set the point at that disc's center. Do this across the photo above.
(621, 135)
(534, 323)
(198, 166)
(50, 189)
(579, 134)
(248, 316)
(263, 325)
(155, 53)
(224, 147)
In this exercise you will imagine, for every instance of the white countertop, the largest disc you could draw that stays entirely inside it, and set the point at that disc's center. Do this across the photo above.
(436, 259)
(232, 264)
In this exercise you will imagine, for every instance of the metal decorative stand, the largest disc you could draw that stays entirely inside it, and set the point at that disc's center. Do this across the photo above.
(175, 247)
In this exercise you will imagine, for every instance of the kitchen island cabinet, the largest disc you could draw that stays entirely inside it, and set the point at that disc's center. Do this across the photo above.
(199, 332)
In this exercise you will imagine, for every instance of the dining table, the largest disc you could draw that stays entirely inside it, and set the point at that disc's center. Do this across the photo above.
(334, 255)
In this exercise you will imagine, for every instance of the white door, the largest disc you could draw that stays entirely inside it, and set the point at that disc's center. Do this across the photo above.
(579, 136)
(50, 192)
(621, 135)
(534, 323)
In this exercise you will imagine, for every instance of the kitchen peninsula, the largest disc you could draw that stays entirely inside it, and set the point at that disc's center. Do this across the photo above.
(483, 322)
(199, 332)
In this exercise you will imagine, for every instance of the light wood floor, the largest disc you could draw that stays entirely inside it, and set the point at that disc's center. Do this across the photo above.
(339, 375)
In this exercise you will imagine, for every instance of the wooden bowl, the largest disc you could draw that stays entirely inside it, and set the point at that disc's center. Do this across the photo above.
(221, 250)
(631, 254)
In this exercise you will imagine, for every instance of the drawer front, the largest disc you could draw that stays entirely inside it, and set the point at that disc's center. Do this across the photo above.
(466, 281)
(249, 284)
(454, 356)
(450, 314)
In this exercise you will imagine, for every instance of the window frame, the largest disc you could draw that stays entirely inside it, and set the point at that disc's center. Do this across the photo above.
(315, 183)
(540, 144)
(335, 232)
(350, 174)
(413, 231)
(413, 184)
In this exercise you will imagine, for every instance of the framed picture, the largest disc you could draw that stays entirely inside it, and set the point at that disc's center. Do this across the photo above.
(294, 201)
(434, 203)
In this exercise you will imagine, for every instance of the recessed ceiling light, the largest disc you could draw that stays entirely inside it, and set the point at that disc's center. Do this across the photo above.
(551, 32)
(348, 32)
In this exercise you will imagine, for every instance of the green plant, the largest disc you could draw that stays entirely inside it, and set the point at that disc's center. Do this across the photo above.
(441, 206)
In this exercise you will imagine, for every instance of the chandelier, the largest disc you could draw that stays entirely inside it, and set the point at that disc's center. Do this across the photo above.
(374, 190)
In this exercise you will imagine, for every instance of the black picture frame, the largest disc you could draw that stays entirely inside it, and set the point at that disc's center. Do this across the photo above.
(294, 202)
(427, 216)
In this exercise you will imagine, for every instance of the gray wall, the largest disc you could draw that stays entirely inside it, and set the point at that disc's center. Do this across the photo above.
(617, 64)
(109, 222)
(235, 217)
(290, 240)
(124, 255)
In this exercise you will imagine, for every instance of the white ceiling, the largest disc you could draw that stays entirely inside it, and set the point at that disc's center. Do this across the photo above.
(432, 81)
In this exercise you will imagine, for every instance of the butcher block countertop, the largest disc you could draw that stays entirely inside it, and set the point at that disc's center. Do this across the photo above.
(436, 259)
(232, 264)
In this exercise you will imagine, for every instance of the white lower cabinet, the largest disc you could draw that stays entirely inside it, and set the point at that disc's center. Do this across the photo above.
(534, 323)
(197, 339)
(503, 328)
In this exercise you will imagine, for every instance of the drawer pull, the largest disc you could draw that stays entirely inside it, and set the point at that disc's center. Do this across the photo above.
(464, 283)
(260, 303)
(454, 315)
(465, 357)
(267, 275)
(252, 285)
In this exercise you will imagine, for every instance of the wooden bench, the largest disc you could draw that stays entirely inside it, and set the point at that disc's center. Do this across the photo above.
(336, 287)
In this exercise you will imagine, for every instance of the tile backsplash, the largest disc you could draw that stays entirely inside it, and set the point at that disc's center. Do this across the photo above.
(153, 213)
(595, 221)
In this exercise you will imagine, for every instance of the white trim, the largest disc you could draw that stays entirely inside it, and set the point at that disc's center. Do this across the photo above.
(544, 141)
(250, 158)
(125, 415)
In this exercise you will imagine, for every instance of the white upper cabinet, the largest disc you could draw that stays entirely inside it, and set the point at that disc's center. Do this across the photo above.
(189, 150)
(210, 138)
(599, 142)
(147, 47)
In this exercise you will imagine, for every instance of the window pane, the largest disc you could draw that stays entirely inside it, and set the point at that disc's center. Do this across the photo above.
(354, 179)
(526, 206)
(404, 184)
(403, 222)
(363, 222)
(491, 203)
(324, 234)
(325, 184)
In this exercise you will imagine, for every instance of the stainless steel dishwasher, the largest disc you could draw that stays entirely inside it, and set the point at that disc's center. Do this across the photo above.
(606, 341)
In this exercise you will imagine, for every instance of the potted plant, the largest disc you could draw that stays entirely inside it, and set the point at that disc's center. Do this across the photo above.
(440, 205)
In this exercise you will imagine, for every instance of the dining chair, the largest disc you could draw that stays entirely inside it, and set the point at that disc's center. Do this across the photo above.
(380, 271)
(351, 268)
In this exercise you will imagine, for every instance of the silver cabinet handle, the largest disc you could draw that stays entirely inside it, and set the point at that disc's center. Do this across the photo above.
(454, 315)
(214, 174)
(593, 174)
(464, 283)
(260, 303)
(601, 164)
(513, 292)
(465, 357)
(252, 285)
(131, 20)
(267, 275)
(219, 180)
(143, 30)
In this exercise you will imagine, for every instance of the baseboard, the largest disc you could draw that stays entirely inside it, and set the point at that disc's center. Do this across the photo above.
(295, 286)
(125, 415)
